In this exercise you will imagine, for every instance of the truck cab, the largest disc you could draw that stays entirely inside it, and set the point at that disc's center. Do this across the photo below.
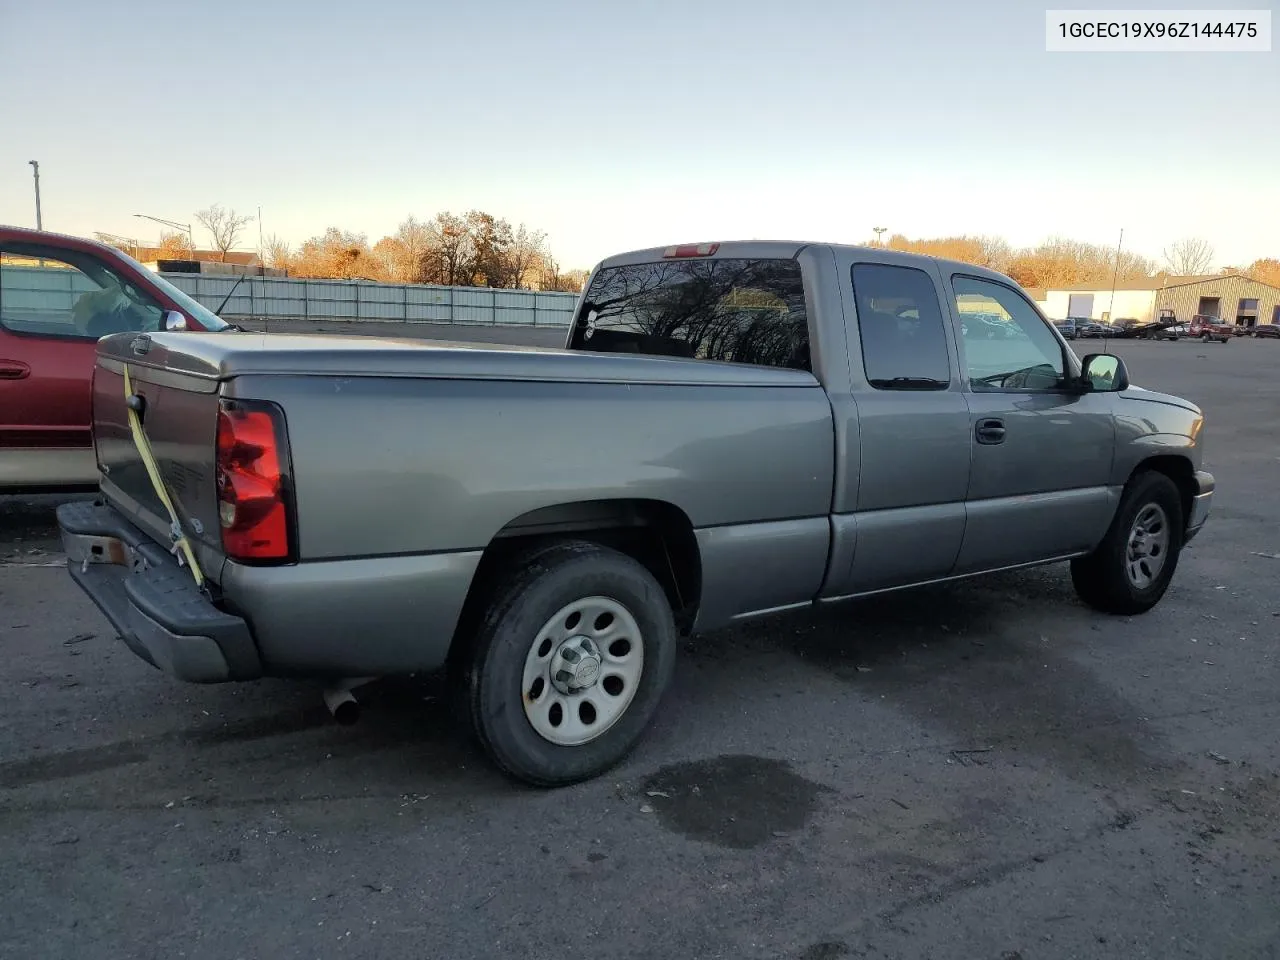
(1209, 329)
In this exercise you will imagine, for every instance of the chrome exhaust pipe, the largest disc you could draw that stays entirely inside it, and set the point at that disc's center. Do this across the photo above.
(341, 703)
(344, 707)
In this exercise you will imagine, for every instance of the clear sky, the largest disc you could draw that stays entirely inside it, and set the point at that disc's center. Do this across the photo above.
(618, 125)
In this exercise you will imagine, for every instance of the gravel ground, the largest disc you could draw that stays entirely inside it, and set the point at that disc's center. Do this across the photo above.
(981, 770)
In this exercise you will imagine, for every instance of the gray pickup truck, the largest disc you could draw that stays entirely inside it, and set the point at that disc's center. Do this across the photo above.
(731, 430)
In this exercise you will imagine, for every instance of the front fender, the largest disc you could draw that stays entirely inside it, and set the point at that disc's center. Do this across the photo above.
(1153, 429)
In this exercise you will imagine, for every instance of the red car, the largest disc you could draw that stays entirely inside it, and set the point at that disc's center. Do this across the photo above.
(1208, 329)
(58, 295)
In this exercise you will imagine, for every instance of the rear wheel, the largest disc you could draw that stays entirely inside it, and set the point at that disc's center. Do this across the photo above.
(1131, 569)
(570, 663)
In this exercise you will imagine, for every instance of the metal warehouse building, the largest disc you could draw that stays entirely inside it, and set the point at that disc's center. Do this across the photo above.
(1233, 298)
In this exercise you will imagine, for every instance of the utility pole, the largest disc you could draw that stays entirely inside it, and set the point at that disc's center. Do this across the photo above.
(35, 172)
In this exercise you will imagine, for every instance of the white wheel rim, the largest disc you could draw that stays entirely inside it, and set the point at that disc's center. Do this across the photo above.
(582, 671)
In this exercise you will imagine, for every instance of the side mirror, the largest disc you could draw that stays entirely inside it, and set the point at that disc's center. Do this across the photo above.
(1104, 373)
(173, 320)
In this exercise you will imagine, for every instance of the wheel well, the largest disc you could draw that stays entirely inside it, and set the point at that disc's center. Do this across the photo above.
(1179, 470)
(657, 534)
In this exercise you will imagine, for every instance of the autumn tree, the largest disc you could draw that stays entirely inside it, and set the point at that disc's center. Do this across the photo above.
(174, 246)
(224, 226)
(451, 257)
(491, 241)
(1190, 257)
(1060, 262)
(335, 255)
(1265, 271)
(405, 257)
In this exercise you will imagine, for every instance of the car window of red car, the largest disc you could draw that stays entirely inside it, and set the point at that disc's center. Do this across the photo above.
(45, 291)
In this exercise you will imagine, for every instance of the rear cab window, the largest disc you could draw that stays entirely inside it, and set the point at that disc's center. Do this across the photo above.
(733, 310)
(900, 328)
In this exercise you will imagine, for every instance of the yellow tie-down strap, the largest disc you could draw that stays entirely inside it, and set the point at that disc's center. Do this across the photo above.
(181, 546)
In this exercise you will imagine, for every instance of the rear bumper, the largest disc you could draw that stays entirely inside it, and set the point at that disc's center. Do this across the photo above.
(368, 617)
(1201, 503)
(153, 603)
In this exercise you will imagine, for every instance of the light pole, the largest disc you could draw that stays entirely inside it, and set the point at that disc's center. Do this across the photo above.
(878, 231)
(35, 172)
(173, 223)
(117, 238)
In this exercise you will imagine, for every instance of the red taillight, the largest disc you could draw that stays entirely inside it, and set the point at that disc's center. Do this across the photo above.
(691, 250)
(253, 495)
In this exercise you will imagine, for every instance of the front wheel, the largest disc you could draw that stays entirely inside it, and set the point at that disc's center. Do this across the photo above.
(1131, 569)
(570, 663)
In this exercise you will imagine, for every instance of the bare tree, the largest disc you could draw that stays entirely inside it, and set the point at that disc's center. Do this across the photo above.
(526, 250)
(1189, 257)
(452, 260)
(224, 226)
(278, 253)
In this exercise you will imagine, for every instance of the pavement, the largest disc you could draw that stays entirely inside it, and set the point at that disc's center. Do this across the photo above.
(981, 771)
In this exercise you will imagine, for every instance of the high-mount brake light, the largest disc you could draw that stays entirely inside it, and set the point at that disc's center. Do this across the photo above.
(690, 250)
(253, 483)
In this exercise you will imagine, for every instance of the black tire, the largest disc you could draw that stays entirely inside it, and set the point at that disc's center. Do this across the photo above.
(1100, 578)
(537, 586)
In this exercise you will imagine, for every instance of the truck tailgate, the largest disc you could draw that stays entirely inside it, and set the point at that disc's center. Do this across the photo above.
(179, 414)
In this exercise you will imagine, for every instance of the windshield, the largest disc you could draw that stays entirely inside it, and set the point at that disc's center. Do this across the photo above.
(193, 308)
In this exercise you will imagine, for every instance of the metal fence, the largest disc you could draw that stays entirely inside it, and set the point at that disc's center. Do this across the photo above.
(288, 299)
(54, 291)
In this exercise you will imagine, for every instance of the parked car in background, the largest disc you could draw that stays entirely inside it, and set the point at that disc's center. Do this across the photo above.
(732, 430)
(1067, 328)
(1208, 329)
(58, 295)
(1175, 332)
(1269, 331)
(986, 325)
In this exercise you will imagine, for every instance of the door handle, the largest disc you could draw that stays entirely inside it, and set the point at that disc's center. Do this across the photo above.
(990, 431)
(14, 370)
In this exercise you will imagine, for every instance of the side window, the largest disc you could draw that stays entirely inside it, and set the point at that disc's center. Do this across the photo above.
(900, 326)
(1006, 344)
(49, 292)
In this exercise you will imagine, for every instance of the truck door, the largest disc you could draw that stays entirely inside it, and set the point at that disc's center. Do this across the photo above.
(54, 306)
(899, 515)
(1041, 451)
